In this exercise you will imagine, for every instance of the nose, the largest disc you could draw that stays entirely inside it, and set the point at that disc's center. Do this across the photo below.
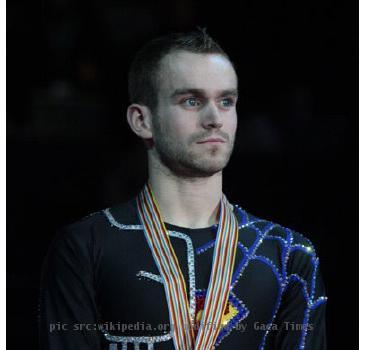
(212, 118)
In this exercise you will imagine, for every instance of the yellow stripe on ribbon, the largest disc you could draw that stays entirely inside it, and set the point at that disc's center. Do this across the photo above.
(174, 283)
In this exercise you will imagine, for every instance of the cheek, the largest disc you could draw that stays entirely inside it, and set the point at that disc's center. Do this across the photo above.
(181, 124)
(231, 124)
(172, 131)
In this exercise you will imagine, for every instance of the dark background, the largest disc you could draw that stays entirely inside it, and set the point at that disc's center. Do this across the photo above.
(70, 151)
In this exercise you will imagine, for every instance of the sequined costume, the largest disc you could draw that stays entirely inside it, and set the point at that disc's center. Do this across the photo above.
(101, 289)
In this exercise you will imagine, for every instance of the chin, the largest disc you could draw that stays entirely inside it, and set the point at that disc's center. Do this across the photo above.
(193, 165)
(208, 168)
(197, 169)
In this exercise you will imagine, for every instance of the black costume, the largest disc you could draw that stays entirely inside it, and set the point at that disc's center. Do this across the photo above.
(101, 289)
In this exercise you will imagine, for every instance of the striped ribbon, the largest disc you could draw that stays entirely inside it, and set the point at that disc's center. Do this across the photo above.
(174, 283)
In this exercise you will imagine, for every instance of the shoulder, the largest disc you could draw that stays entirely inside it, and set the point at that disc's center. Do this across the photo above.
(88, 234)
(80, 231)
(296, 248)
(121, 213)
(270, 229)
(295, 254)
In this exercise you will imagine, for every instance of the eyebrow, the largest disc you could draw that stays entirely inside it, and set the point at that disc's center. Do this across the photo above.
(201, 92)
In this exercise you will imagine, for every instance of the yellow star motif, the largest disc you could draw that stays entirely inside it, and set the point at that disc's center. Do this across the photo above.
(232, 312)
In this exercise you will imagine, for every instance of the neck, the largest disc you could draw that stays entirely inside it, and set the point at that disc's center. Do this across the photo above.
(186, 202)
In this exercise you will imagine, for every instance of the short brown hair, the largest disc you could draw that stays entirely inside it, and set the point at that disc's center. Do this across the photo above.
(143, 72)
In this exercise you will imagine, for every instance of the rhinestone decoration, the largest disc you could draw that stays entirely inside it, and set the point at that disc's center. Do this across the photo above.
(115, 223)
(236, 309)
(235, 312)
(149, 275)
(191, 269)
(137, 340)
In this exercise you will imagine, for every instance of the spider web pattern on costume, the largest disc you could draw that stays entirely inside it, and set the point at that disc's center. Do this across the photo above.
(284, 279)
(264, 230)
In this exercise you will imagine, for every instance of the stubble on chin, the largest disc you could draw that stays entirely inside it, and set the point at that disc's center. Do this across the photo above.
(192, 163)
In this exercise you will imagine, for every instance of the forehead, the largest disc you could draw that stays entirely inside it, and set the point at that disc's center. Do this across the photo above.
(210, 72)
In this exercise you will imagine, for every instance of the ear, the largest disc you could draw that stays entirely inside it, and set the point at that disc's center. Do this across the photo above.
(139, 120)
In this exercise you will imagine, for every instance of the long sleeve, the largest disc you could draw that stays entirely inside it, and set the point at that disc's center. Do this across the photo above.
(300, 322)
(68, 312)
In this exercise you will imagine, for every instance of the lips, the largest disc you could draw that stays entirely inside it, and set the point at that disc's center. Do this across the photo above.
(212, 140)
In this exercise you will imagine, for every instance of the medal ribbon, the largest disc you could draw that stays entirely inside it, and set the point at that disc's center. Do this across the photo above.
(174, 283)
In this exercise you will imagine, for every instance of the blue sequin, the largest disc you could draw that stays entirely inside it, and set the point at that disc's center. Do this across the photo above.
(263, 230)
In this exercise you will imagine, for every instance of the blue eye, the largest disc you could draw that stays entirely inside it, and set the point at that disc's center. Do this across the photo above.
(227, 102)
(191, 102)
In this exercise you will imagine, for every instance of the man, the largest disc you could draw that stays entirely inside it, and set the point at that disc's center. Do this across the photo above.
(179, 267)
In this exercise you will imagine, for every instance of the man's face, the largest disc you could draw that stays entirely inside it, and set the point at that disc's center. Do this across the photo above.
(195, 123)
